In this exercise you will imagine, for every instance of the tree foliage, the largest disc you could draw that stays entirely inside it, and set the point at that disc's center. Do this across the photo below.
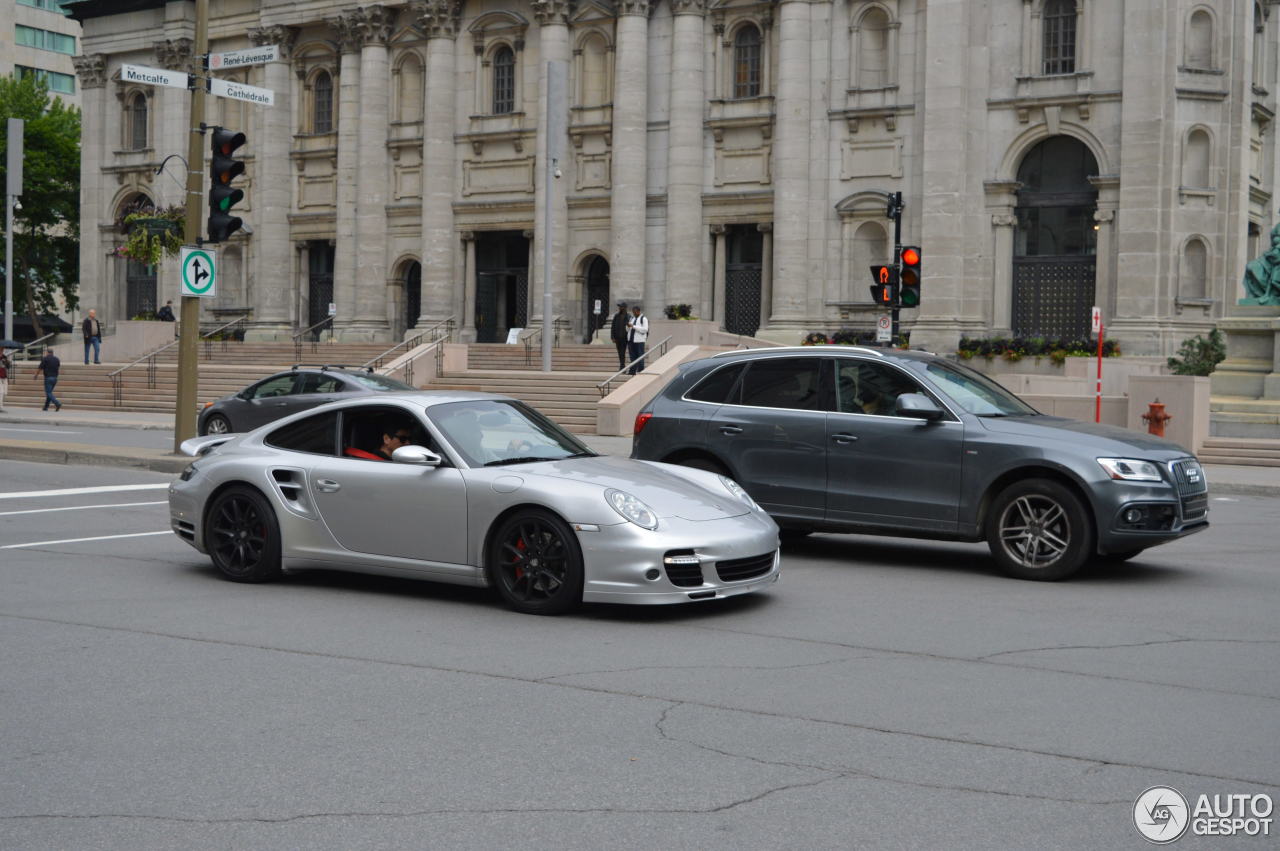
(1199, 355)
(46, 237)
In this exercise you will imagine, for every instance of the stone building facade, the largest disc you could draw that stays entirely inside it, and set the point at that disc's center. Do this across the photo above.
(733, 155)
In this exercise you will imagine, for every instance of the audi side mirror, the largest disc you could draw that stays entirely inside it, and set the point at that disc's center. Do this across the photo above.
(419, 455)
(917, 406)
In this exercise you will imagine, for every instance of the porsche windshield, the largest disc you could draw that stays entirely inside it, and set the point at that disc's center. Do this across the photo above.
(494, 432)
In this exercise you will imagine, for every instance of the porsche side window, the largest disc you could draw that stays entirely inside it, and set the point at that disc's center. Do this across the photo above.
(317, 435)
(783, 383)
(372, 434)
(719, 386)
(280, 385)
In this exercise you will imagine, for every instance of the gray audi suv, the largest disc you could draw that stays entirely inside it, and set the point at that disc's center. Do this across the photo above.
(887, 442)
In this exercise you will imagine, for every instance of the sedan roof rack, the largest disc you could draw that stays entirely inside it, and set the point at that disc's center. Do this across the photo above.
(860, 349)
(325, 366)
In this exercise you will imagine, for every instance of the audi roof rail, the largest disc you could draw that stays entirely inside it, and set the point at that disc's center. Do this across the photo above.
(863, 349)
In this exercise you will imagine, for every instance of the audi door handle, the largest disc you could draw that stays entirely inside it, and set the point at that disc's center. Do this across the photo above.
(730, 429)
(844, 437)
(328, 486)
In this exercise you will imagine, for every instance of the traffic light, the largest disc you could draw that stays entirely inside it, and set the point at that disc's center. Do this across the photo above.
(222, 197)
(885, 287)
(910, 290)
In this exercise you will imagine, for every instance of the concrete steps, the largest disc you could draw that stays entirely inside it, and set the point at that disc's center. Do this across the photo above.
(1257, 452)
(574, 358)
(281, 354)
(1244, 417)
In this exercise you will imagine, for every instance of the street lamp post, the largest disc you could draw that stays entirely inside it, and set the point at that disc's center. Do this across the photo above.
(13, 188)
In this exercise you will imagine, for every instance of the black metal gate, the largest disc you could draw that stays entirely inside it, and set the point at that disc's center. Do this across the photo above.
(1053, 296)
(742, 299)
(597, 289)
(320, 290)
(412, 295)
(140, 289)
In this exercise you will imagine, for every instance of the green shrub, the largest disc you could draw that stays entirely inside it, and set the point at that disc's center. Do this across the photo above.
(1199, 356)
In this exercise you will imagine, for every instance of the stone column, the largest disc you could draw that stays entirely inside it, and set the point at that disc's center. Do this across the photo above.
(95, 266)
(345, 266)
(1104, 219)
(273, 196)
(468, 332)
(1002, 199)
(790, 168)
(629, 172)
(766, 272)
(683, 280)
(438, 19)
(553, 46)
(718, 275)
(370, 319)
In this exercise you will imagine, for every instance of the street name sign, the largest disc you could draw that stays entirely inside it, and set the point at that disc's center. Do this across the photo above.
(240, 91)
(154, 76)
(240, 58)
(199, 272)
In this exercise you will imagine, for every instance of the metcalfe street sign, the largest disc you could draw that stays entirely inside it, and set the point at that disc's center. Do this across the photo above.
(239, 91)
(154, 76)
(240, 58)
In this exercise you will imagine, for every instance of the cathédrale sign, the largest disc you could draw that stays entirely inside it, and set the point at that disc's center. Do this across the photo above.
(154, 76)
(240, 91)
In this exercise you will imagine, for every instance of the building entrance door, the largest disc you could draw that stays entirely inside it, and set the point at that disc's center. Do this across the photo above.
(140, 289)
(412, 295)
(1054, 267)
(596, 290)
(319, 283)
(743, 279)
(502, 284)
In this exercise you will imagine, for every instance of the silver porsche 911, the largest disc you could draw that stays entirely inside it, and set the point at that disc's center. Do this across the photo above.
(473, 489)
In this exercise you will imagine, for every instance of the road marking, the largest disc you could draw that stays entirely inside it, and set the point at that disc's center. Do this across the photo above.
(41, 430)
(81, 540)
(80, 507)
(75, 491)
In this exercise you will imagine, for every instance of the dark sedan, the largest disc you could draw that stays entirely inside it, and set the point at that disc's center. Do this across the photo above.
(289, 392)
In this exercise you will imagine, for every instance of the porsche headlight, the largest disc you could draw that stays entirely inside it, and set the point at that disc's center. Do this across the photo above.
(632, 509)
(1131, 469)
(736, 489)
(191, 470)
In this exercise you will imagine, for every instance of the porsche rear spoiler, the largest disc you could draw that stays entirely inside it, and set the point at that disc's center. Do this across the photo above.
(197, 446)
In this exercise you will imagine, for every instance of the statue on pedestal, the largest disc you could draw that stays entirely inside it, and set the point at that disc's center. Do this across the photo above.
(1262, 275)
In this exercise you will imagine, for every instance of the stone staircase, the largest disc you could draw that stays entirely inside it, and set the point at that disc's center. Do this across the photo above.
(567, 394)
(1244, 417)
(1250, 452)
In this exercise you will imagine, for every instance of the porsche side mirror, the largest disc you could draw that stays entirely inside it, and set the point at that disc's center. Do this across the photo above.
(918, 406)
(420, 455)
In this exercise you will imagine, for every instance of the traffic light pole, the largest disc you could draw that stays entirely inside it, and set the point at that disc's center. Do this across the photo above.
(895, 308)
(184, 417)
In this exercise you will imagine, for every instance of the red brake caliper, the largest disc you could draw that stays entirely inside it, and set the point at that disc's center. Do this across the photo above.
(520, 546)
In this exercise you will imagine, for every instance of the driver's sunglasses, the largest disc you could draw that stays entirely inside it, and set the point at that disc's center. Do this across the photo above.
(403, 437)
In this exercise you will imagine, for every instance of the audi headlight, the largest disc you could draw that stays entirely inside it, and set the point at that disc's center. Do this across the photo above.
(632, 509)
(1131, 469)
(736, 489)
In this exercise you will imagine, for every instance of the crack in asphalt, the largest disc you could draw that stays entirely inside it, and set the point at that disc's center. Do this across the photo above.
(553, 677)
(1178, 640)
(984, 660)
(511, 678)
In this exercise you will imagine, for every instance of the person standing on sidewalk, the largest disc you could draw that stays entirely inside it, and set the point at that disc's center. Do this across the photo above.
(5, 366)
(92, 330)
(637, 334)
(49, 365)
(618, 333)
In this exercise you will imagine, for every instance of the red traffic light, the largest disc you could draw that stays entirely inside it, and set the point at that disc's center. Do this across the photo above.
(910, 256)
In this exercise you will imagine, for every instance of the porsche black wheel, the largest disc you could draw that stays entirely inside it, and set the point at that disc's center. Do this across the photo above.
(242, 536)
(535, 564)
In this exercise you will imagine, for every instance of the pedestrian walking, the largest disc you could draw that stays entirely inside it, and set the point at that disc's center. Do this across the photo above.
(49, 365)
(165, 314)
(637, 334)
(5, 366)
(618, 333)
(92, 330)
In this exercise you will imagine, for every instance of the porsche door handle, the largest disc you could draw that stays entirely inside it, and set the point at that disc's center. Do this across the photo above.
(844, 438)
(730, 429)
(328, 486)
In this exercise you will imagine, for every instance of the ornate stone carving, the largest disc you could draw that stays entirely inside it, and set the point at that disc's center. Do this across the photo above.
(550, 11)
(438, 18)
(632, 7)
(718, 230)
(176, 54)
(1104, 217)
(347, 28)
(92, 70)
(375, 24)
(688, 7)
(1004, 220)
(281, 35)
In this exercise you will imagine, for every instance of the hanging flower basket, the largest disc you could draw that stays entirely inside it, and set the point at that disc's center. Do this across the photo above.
(152, 235)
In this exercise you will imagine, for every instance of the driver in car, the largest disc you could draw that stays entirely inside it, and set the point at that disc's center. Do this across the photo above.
(396, 432)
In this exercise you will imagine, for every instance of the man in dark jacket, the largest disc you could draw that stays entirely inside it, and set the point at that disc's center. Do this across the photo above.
(165, 314)
(49, 365)
(618, 333)
(92, 330)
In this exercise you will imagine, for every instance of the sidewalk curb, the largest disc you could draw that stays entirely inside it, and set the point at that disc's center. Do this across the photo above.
(43, 453)
(1242, 489)
(62, 422)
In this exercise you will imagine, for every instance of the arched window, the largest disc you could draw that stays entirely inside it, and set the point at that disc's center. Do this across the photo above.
(136, 112)
(1059, 37)
(504, 81)
(873, 50)
(1195, 161)
(746, 62)
(1200, 40)
(594, 86)
(1194, 271)
(409, 98)
(322, 103)
(1056, 201)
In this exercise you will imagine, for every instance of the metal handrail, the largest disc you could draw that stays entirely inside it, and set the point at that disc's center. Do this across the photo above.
(557, 324)
(208, 338)
(297, 338)
(23, 349)
(117, 377)
(438, 347)
(657, 351)
(412, 342)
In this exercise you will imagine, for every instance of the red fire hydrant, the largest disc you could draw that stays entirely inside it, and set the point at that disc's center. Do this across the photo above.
(1155, 418)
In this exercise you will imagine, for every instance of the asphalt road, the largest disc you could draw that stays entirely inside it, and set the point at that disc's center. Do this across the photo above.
(886, 693)
(94, 435)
